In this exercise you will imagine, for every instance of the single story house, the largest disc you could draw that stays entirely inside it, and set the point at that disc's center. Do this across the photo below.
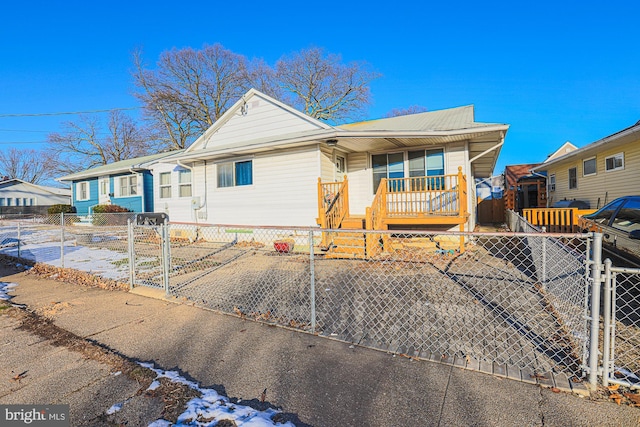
(16, 195)
(265, 163)
(598, 172)
(127, 183)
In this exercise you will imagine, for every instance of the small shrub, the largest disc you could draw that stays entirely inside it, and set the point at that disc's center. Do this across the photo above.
(54, 212)
(110, 215)
(58, 209)
(110, 209)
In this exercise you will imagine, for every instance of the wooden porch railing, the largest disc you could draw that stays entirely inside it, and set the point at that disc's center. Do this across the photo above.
(556, 220)
(373, 219)
(333, 205)
(442, 195)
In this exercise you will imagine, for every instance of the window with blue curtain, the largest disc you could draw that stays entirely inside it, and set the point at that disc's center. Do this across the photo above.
(427, 163)
(244, 173)
(235, 174)
(388, 166)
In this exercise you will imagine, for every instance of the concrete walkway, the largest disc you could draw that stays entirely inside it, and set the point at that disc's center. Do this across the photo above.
(319, 381)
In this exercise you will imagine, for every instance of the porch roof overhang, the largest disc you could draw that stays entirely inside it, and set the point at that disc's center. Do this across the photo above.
(484, 144)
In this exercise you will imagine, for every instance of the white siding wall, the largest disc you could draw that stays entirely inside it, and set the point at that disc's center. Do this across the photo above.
(178, 208)
(284, 192)
(360, 183)
(262, 120)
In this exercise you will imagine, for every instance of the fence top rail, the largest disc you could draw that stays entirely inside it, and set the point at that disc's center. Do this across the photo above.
(626, 270)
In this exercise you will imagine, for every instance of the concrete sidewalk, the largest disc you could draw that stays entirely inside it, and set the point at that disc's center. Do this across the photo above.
(322, 382)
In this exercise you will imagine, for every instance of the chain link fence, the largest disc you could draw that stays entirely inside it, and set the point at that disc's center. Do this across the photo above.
(97, 244)
(517, 300)
(621, 326)
(417, 295)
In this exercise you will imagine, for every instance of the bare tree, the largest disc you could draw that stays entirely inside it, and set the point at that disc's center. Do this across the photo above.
(28, 165)
(414, 109)
(324, 88)
(85, 145)
(190, 89)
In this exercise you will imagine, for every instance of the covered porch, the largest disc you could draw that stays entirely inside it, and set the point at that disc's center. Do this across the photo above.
(423, 202)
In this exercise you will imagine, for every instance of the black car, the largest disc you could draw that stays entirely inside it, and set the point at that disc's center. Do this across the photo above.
(620, 223)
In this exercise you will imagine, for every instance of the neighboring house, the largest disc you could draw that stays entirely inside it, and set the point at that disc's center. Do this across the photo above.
(127, 183)
(596, 173)
(265, 163)
(16, 195)
(565, 148)
(524, 189)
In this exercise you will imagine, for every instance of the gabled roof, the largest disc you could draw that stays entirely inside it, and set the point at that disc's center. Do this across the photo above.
(42, 188)
(567, 147)
(431, 128)
(239, 108)
(625, 136)
(119, 167)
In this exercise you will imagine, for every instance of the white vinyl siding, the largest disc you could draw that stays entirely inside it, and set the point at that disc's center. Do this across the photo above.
(266, 120)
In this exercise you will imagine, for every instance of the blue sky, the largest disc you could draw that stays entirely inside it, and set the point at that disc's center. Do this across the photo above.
(554, 71)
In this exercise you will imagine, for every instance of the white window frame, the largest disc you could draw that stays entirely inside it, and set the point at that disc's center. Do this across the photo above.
(552, 182)
(79, 191)
(595, 171)
(184, 185)
(162, 186)
(614, 156)
(128, 186)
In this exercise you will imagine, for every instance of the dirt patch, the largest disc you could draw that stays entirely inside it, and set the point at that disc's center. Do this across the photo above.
(77, 277)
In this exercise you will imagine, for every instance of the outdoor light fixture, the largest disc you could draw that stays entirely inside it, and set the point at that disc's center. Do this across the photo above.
(332, 142)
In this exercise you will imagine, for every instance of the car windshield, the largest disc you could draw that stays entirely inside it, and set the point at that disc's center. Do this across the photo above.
(628, 218)
(603, 216)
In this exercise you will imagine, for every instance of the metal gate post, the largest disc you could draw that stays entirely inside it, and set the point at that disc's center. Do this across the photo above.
(595, 307)
(62, 239)
(606, 351)
(544, 258)
(19, 238)
(313, 282)
(166, 259)
(132, 254)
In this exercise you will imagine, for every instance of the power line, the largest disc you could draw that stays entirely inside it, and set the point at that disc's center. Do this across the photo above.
(62, 113)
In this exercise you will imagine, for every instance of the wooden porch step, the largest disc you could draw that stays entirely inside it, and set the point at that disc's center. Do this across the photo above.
(347, 245)
(353, 222)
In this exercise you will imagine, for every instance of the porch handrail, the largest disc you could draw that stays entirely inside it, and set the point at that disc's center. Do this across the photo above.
(333, 205)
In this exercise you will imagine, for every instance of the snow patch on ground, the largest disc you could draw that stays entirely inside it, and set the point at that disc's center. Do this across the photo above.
(211, 407)
(5, 288)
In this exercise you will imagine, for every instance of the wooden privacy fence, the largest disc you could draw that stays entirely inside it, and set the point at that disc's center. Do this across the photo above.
(556, 220)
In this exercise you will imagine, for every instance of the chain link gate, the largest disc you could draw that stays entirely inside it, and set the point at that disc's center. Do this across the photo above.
(149, 256)
(621, 326)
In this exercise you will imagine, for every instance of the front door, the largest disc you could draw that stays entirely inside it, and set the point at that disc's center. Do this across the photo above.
(103, 191)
